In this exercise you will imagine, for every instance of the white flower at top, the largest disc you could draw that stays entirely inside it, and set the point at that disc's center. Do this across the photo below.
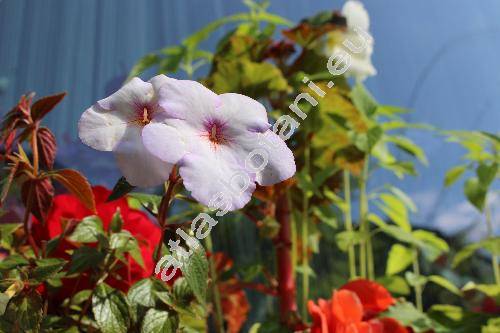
(357, 18)
(116, 123)
(221, 143)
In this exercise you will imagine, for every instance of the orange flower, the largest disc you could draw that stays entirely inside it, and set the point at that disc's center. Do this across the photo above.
(352, 310)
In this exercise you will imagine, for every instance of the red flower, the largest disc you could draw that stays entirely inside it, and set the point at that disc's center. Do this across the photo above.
(352, 310)
(68, 209)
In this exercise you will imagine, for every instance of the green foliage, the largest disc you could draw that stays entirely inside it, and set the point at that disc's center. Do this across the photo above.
(89, 230)
(195, 271)
(111, 310)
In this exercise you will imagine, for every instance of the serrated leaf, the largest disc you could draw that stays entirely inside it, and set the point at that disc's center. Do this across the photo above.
(24, 312)
(142, 295)
(195, 270)
(124, 242)
(400, 257)
(47, 146)
(157, 321)
(149, 201)
(110, 309)
(453, 174)
(89, 230)
(77, 184)
(40, 193)
(84, 258)
(47, 268)
(13, 261)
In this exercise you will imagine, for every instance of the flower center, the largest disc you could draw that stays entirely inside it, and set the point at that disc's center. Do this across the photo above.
(215, 132)
(146, 116)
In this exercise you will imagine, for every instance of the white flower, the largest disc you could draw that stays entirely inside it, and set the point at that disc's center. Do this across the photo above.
(116, 124)
(221, 143)
(357, 18)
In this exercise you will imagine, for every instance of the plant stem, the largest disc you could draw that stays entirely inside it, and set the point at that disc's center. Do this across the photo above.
(26, 219)
(418, 286)
(305, 234)
(219, 315)
(365, 244)
(163, 210)
(494, 257)
(34, 149)
(348, 222)
(286, 281)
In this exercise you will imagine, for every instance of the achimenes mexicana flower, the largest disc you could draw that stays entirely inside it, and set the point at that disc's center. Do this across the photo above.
(357, 32)
(221, 143)
(116, 124)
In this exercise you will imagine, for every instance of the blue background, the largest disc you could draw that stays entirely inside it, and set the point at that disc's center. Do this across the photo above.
(440, 58)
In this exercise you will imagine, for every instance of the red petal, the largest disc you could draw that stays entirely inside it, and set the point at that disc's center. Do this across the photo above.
(320, 324)
(374, 297)
(391, 325)
(347, 307)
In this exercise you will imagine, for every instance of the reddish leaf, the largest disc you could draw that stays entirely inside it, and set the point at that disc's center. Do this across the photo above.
(40, 193)
(77, 184)
(47, 146)
(44, 105)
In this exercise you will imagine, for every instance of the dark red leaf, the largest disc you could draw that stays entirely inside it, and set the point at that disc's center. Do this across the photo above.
(44, 105)
(40, 193)
(47, 146)
(77, 184)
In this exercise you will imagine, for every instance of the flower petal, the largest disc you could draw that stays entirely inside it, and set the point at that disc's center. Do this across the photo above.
(320, 324)
(165, 141)
(261, 146)
(188, 100)
(356, 15)
(243, 112)
(134, 93)
(347, 307)
(138, 165)
(215, 173)
(102, 129)
(374, 297)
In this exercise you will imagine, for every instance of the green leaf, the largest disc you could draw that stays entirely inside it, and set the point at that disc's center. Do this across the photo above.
(89, 230)
(195, 270)
(409, 316)
(408, 146)
(408, 202)
(456, 319)
(84, 258)
(475, 193)
(142, 295)
(490, 244)
(395, 209)
(149, 201)
(124, 242)
(116, 223)
(24, 312)
(430, 244)
(363, 100)
(491, 290)
(414, 280)
(326, 215)
(121, 188)
(395, 284)
(493, 326)
(400, 257)
(345, 239)
(47, 268)
(13, 261)
(6, 233)
(157, 321)
(110, 309)
(454, 174)
(446, 284)
(144, 63)
(486, 173)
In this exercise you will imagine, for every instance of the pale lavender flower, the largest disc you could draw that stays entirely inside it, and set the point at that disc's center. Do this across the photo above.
(115, 124)
(221, 143)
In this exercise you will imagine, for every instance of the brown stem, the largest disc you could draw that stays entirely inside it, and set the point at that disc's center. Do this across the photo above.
(286, 283)
(26, 219)
(163, 210)
(34, 149)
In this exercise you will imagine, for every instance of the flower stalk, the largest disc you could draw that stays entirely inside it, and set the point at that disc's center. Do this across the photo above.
(348, 222)
(286, 281)
(418, 285)
(216, 299)
(494, 258)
